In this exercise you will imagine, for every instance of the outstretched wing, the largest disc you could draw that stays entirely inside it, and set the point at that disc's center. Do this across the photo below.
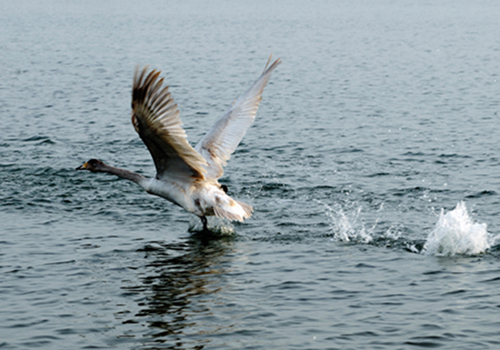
(221, 141)
(156, 119)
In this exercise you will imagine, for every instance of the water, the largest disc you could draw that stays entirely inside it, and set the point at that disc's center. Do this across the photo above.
(373, 169)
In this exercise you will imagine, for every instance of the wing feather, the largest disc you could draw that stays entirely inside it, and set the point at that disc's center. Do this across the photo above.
(156, 119)
(221, 141)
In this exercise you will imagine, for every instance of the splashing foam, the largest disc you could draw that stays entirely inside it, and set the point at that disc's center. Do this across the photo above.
(347, 226)
(456, 233)
(215, 225)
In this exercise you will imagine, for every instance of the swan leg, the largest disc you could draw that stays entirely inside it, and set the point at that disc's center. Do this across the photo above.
(205, 222)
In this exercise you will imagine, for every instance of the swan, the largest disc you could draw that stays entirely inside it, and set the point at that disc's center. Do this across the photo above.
(187, 176)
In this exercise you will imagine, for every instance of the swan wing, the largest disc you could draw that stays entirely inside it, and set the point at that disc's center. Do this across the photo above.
(156, 119)
(221, 141)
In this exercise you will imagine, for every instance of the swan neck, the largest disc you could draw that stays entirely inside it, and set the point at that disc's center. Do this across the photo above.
(124, 174)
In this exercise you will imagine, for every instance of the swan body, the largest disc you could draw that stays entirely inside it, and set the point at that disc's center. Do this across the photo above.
(187, 176)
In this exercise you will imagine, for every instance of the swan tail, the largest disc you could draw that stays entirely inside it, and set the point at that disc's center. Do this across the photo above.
(233, 210)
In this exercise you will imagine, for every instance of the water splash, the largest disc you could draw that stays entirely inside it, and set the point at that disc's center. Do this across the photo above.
(347, 226)
(216, 226)
(456, 233)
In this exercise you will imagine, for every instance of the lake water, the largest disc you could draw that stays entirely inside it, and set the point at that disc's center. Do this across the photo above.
(373, 168)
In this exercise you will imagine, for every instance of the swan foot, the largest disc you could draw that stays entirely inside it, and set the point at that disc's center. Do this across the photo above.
(205, 222)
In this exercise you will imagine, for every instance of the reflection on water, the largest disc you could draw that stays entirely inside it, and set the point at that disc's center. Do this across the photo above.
(180, 288)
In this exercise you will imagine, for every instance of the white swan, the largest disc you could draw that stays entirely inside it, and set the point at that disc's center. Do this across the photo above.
(185, 175)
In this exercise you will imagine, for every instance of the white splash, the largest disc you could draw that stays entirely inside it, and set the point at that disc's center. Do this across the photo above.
(347, 227)
(456, 233)
(215, 225)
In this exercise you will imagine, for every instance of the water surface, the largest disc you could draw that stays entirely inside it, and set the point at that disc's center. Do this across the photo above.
(381, 119)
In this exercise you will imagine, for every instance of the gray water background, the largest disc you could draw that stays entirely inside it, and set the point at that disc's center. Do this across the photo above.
(382, 114)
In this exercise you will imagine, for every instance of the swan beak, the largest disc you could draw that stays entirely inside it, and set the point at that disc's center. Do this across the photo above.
(83, 167)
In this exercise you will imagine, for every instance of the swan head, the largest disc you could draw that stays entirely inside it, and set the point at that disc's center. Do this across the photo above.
(94, 165)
